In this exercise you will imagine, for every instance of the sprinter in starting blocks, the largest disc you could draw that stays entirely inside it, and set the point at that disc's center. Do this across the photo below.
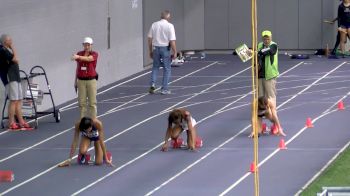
(90, 130)
(180, 120)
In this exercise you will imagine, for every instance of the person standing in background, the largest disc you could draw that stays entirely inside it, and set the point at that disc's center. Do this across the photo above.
(268, 67)
(344, 23)
(161, 39)
(10, 76)
(85, 82)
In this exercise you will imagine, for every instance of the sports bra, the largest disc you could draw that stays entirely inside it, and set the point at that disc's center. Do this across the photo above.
(93, 135)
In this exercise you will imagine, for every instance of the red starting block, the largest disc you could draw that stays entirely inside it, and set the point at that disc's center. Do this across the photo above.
(6, 176)
(273, 129)
(177, 143)
(109, 156)
(84, 159)
(199, 142)
(263, 127)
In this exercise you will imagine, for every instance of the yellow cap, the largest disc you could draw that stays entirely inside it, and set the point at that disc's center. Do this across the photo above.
(266, 33)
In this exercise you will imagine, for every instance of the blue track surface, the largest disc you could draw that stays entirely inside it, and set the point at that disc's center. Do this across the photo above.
(217, 92)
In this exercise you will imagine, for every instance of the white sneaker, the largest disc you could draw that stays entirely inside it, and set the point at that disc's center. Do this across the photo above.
(165, 92)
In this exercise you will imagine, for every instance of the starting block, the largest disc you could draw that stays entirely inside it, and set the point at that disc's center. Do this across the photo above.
(274, 130)
(6, 176)
(199, 142)
(91, 160)
(84, 159)
(109, 156)
(177, 143)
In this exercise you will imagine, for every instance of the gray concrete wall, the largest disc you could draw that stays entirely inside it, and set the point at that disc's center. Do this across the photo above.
(295, 24)
(225, 24)
(216, 28)
(193, 24)
(48, 32)
(329, 32)
(310, 24)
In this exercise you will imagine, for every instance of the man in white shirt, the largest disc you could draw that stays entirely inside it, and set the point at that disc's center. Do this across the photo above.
(161, 39)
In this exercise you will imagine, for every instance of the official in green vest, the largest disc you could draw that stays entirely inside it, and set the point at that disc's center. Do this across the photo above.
(268, 67)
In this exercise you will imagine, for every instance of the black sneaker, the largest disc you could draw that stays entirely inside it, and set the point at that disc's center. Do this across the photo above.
(152, 89)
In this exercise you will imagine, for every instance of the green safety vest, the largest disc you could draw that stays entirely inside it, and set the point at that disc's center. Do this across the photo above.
(271, 70)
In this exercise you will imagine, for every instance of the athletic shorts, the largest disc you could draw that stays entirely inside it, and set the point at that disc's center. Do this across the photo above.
(267, 88)
(14, 91)
(345, 26)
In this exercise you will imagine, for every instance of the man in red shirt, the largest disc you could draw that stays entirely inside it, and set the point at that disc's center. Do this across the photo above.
(86, 77)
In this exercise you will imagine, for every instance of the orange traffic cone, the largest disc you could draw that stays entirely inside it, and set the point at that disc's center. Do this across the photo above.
(309, 123)
(6, 176)
(341, 105)
(282, 145)
(252, 167)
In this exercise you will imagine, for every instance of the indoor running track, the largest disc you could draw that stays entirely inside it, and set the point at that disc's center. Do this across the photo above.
(217, 91)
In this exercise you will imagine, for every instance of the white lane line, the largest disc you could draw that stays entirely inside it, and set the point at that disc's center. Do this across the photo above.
(215, 149)
(37, 144)
(56, 135)
(271, 155)
(193, 164)
(42, 173)
(312, 84)
(145, 94)
(215, 113)
(323, 169)
(110, 88)
(336, 103)
(67, 107)
(290, 140)
(161, 113)
(282, 74)
(205, 90)
(106, 113)
(137, 158)
(51, 168)
(196, 162)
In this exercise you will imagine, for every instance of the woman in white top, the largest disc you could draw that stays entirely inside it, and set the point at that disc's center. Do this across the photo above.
(181, 120)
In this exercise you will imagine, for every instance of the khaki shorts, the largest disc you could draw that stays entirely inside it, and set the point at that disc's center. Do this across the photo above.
(14, 91)
(267, 88)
